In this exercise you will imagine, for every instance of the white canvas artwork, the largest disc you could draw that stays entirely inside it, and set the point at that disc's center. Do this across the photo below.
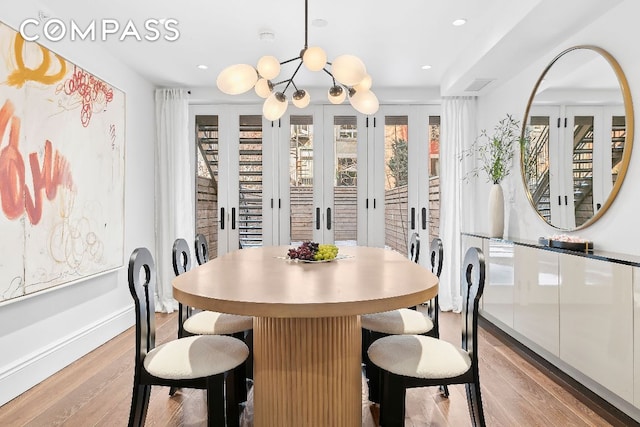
(62, 135)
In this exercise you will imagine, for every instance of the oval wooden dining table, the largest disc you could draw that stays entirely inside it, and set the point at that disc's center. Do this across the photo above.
(307, 336)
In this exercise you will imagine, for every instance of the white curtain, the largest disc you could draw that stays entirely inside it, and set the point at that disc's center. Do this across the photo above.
(457, 131)
(175, 189)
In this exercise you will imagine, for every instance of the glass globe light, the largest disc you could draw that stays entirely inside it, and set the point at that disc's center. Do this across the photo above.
(237, 79)
(364, 101)
(274, 106)
(365, 84)
(336, 94)
(268, 67)
(314, 58)
(263, 88)
(348, 70)
(301, 98)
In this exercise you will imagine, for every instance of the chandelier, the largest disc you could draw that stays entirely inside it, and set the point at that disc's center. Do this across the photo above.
(347, 72)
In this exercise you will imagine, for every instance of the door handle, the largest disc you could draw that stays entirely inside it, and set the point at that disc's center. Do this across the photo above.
(328, 218)
(413, 218)
(424, 218)
(317, 218)
(233, 218)
(221, 218)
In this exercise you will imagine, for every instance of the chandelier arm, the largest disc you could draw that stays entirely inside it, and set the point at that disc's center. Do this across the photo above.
(289, 60)
(331, 75)
(281, 82)
(291, 79)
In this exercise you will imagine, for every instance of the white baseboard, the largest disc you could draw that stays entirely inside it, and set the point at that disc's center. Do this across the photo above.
(23, 374)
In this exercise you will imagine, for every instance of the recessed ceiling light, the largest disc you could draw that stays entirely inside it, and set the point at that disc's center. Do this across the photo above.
(203, 67)
(460, 21)
(266, 35)
(426, 67)
(319, 22)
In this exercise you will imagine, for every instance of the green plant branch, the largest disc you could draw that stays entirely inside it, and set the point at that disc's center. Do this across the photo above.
(495, 152)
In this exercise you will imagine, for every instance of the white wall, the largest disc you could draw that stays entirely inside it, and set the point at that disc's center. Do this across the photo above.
(616, 32)
(43, 333)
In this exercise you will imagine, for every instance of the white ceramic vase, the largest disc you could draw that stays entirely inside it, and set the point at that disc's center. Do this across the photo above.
(496, 211)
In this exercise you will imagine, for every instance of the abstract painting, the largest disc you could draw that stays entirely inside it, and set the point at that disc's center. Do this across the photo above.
(62, 133)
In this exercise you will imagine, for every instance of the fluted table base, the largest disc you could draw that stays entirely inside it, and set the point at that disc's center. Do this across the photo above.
(307, 372)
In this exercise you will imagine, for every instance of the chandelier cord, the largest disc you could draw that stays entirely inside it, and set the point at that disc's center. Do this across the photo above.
(306, 23)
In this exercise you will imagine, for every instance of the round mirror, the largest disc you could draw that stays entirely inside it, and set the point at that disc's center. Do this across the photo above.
(577, 137)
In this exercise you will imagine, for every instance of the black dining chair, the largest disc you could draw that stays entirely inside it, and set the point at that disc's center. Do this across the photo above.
(408, 361)
(208, 322)
(203, 362)
(204, 322)
(402, 321)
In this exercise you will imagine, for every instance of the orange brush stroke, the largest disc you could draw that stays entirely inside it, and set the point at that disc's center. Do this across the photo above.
(20, 76)
(15, 195)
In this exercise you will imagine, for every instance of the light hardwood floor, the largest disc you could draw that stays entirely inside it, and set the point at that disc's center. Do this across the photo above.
(517, 390)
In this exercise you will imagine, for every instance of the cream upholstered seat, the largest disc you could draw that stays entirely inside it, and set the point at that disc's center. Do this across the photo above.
(402, 321)
(212, 363)
(214, 323)
(194, 357)
(407, 361)
(419, 356)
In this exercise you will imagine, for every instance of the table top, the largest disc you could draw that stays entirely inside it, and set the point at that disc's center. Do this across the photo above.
(259, 282)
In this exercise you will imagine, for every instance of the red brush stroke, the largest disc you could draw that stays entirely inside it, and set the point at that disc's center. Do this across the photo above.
(90, 89)
(14, 194)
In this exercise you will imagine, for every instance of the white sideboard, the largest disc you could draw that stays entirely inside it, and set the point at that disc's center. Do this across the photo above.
(578, 310)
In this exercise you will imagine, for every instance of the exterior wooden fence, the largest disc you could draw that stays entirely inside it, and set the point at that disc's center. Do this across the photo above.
(345, 214)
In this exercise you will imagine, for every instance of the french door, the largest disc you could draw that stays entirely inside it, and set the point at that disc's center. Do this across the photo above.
(321, 150)
(402, 154)
(324, 173)
(231, 141)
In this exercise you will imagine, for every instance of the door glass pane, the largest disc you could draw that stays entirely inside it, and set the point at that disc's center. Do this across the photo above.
(434, 177)
(301, 178)
(396, 177)
(250, 181)
(536, 161)
(618, 135)
(583, 168)
(207, 181)
(345, 191)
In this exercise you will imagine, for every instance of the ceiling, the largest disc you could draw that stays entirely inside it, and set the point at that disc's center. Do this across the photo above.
(393, 38)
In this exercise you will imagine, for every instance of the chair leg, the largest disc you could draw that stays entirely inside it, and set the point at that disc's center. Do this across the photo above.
(392, 404)
(139, 405)
(474, 400)
(366, 340)
(234, 380)
(373, 375)
(215, 401)
(248, 340)
(371, 371)
(172, 390)
(238, 377)
(445, 390)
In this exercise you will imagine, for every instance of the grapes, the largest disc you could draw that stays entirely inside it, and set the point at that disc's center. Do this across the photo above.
(326, 252)
(312, 251)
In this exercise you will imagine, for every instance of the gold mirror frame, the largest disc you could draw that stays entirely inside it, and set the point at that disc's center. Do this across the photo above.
(628, 142)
